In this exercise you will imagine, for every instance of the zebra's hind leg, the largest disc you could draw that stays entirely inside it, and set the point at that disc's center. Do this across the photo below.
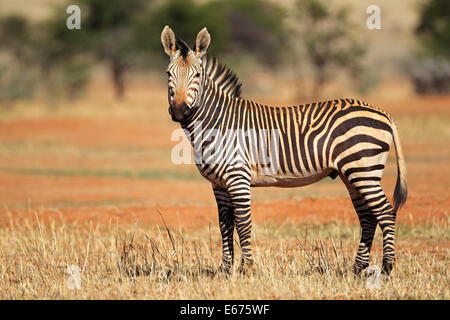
(387, 224)
(379, 207)
(373, 208)
(226, 224)
(368, 224)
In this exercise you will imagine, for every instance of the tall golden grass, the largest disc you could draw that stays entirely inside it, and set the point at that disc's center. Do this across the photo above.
(135, 262)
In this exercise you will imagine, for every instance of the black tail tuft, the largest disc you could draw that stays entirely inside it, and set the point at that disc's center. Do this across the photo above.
(400, 192)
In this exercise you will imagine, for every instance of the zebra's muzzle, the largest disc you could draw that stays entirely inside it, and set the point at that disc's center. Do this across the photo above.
(179, 112)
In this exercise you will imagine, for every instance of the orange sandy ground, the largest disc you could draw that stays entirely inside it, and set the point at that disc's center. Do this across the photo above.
(316, 211)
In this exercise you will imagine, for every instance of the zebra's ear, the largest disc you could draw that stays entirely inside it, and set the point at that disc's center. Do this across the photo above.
(202, 43)
(168, 41)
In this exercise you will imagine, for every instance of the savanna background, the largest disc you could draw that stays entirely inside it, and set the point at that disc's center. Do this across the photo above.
(86, 177)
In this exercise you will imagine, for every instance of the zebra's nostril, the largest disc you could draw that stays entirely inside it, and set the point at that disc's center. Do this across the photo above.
(185, 108)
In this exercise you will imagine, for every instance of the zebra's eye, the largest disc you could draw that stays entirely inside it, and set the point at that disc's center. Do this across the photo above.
(198, 75)
(168, 73)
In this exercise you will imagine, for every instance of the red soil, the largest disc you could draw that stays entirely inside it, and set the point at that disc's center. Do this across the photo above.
(86, 132)
(308, 210)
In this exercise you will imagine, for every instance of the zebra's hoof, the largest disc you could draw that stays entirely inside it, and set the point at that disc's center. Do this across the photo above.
(358, 269)
(386, 270)
(247, 269)
(224, 269)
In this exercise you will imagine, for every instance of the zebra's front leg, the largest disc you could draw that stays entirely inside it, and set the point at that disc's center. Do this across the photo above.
(226, 224)
(239, 192)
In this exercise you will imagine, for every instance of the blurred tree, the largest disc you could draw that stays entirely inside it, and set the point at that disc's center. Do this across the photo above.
(107, 35)
(108, 31)
(325, 33)
(17, 77)
(434, 27)
(430, 69)
(237, 26)
(54, 43)
(15, 37)
(255, 27)
(62, 55)
(186, 18)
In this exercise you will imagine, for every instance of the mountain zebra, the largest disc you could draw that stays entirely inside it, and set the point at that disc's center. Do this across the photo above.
(301, 145)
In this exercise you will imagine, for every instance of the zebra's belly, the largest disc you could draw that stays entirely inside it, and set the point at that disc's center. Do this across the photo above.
(288, 180)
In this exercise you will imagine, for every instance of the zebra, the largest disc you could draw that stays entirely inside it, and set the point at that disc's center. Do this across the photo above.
(342, 137)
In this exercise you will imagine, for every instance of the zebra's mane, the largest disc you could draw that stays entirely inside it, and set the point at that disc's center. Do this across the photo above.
(222, 76)
(183, 47)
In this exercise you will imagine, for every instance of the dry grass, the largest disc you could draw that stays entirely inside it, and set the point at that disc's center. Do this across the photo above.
(291, 262)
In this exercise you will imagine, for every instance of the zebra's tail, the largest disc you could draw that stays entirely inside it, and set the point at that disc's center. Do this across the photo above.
(401, 189)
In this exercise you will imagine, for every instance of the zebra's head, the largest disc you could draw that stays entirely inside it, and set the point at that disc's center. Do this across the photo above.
(186, 76)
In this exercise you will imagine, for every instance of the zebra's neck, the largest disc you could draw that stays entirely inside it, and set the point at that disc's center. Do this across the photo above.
(215, 103)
